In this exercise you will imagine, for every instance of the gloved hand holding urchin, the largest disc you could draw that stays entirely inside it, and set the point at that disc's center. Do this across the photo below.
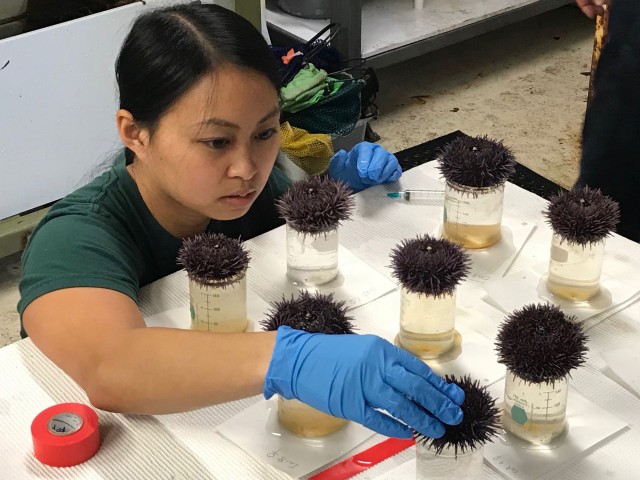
(481, 421)
(365, 165)
(359, 377)
(312, 313)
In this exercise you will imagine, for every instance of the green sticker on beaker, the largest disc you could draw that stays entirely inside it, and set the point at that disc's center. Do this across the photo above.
(519, 415)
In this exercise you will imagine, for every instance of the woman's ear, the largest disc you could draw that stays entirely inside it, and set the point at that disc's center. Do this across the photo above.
(133, 137)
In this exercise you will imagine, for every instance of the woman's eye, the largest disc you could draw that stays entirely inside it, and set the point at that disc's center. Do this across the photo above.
(267, 134)
(218, 143)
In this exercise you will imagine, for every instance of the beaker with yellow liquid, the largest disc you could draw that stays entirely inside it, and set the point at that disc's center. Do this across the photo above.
(219, 308)
(476, 170)
(473, 216)
(313, 313)
(540, 346)
(581, 220)
(535, 411)
(428, 270)
(216, 267)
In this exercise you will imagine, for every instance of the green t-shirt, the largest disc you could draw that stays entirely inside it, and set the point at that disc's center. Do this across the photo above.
(103, 235)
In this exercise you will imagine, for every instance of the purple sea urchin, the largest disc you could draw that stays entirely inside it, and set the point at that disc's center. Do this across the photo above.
(311, 312)
(480, 422)
(429, 265)
(582, 215)
(212, 259)
(316, 205)
(478, 162)
(539, 343)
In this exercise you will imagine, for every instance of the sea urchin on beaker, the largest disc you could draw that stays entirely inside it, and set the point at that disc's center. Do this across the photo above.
(216, 266)
(428, 270)
(458, 454)
(540, 346)
(581, 219)
(313, 313)
(475, 170)
(313, 209)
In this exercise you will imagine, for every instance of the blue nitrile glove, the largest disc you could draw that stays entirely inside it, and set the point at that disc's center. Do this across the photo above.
(365, 165)
(354, 376)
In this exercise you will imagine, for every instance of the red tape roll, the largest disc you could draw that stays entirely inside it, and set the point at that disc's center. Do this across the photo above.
(65, 435)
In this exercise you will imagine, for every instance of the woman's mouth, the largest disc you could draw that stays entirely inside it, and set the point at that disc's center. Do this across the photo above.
(240, 200)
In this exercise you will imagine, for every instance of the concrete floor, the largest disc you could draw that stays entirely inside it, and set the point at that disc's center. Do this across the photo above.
(523, 84)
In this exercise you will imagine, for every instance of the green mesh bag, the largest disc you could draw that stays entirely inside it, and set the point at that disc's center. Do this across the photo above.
(336, 114)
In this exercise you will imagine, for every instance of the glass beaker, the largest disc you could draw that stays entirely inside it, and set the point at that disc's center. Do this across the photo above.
(219, 308)
(472, 216)
(464, 466)
(301, 419)
(574, 269)
(427, 323)
(312, 258)
(535, 412)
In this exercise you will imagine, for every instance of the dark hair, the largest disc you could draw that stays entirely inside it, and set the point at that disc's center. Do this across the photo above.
(169, 49)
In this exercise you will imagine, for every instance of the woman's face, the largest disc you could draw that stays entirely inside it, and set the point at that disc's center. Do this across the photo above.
(212, 152)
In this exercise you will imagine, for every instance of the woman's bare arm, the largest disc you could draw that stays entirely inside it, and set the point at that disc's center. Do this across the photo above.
(98, 337)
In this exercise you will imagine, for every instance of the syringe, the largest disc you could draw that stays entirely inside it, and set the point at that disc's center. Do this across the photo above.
(418, 195)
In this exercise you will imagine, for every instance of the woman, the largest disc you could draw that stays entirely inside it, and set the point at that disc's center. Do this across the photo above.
(199, 118)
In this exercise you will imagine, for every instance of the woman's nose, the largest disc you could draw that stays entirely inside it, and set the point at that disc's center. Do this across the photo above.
(243, 165)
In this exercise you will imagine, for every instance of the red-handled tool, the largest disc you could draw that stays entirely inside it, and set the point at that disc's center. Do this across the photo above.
(364, 460)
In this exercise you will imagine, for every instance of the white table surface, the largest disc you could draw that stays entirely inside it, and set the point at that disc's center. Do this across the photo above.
(187, 446)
